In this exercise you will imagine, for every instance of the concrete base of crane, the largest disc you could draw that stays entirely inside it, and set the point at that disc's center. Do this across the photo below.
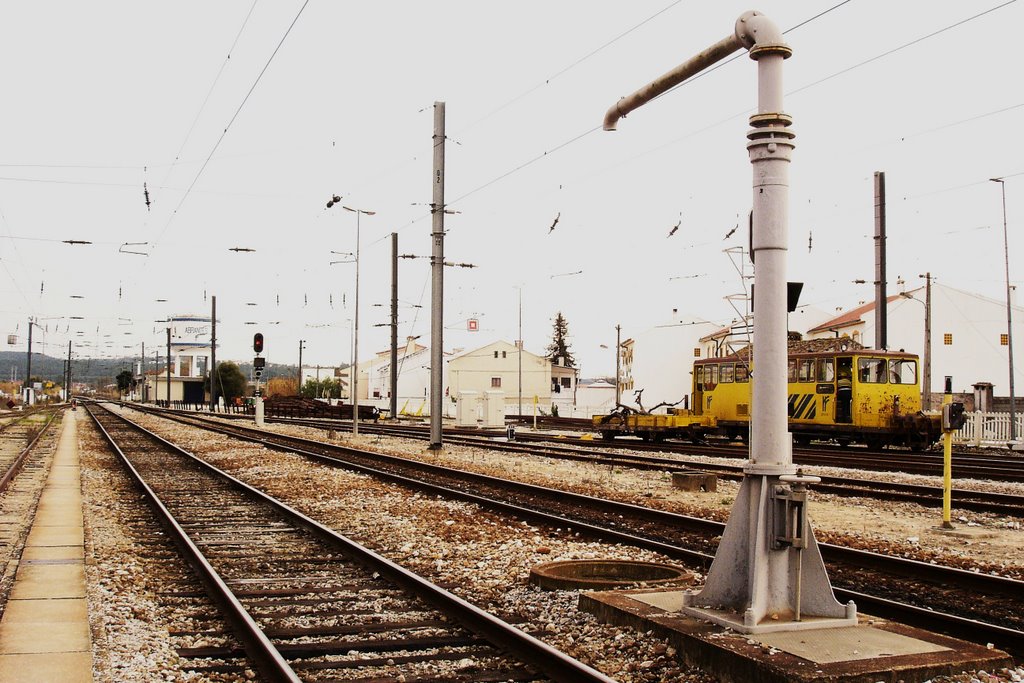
(871, 650)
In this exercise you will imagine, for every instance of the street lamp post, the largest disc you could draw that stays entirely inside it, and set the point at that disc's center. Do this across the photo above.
(355, 334)
(1009, 313)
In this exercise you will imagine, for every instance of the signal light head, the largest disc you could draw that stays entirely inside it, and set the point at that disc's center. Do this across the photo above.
(257, 342)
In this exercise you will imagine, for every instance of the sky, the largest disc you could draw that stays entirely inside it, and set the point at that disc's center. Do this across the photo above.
(243, 118)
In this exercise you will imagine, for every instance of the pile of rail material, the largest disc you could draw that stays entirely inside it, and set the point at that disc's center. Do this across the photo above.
(296, 406)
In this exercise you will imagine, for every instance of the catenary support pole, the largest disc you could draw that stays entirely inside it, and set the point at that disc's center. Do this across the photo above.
(437, 280)
(168, 367)
(27, 385)
(143, 371)
(881, 305)
(618, 365)
(927, 394)
(213, 353)
(298, 388)
(393, 374)
(68, 379)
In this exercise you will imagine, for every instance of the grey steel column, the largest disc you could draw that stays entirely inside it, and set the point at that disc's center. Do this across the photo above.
(881, 305)
(393, 379)
(437, 282)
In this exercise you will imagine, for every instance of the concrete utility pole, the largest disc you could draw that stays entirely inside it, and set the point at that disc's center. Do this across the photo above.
(393, 375)
(881, 305)
(168, 367)
(927, 394)
(298, 391)
(768, 573)
(1009, 316)
(519, 351)
(68, 385)
(437, 281)
(618, 365)
(27, 384)
(213, 353)
(142, 371)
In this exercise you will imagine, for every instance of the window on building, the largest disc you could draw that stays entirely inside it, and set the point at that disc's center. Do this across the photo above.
(696, 352)
(567, 382)
(186, 366)
(495, 382)
(495, 354)
(871, 370)
(728, 373)
(1004, 340)
(201, 366)
(503, 354)
(947, 339)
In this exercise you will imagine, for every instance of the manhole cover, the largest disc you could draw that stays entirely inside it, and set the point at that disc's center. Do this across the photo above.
(604, 574)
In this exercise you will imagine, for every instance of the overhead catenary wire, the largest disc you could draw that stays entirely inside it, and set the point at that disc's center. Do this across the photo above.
(209, 92)
(227, 128)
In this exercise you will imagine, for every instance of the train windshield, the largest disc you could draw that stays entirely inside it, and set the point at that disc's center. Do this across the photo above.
(902, 371)
(871, 370)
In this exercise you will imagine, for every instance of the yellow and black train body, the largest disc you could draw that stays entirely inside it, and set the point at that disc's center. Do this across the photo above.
(863, 396)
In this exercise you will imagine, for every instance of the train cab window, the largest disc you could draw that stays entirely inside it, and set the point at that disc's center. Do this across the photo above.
(826, 369)
(792, 371)
(902, 371)
(871, 370)
(698, 376)
(742, 372)
(710, 376)
(805, 369)
(728, 373)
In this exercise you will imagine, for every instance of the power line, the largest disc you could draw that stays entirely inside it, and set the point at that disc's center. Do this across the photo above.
(571, 66)
(901, 47)
(209, 92)
(241, 105)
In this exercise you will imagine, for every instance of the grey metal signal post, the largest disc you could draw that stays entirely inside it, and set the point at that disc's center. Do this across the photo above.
(768, 574)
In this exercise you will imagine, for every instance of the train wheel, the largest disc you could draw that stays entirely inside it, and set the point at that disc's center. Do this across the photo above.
(608, 435)
(844, 442)
(802, 441)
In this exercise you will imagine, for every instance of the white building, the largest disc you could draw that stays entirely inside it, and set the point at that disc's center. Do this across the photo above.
(968, 331)
(191, 340)
(659, 361)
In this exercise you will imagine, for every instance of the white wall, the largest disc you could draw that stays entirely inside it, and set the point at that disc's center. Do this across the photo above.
(663, 361)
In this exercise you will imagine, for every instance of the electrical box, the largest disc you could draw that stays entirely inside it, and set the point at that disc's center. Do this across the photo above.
(466, 409)
(494, 408)
(953, 417)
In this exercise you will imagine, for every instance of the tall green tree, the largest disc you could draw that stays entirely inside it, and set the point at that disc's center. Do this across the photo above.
(125, 380)
(231, 382)
(559, 346)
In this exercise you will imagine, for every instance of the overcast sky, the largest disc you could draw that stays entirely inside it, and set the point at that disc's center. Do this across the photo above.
(100, 99)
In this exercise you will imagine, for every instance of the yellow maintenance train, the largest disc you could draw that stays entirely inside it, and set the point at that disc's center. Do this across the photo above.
(850, 396)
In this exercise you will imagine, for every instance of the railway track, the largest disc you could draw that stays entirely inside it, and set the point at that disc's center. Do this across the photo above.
(582, 451)
(967, 604)
(307, 603)
(17, 439)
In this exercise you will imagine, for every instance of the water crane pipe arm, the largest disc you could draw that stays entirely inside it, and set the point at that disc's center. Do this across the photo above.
(753, 31)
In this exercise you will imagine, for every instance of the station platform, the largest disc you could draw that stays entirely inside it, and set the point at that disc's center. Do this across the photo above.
(44, 633)
(873, 651)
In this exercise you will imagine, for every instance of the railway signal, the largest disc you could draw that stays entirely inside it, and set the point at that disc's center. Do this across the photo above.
(257, 342)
